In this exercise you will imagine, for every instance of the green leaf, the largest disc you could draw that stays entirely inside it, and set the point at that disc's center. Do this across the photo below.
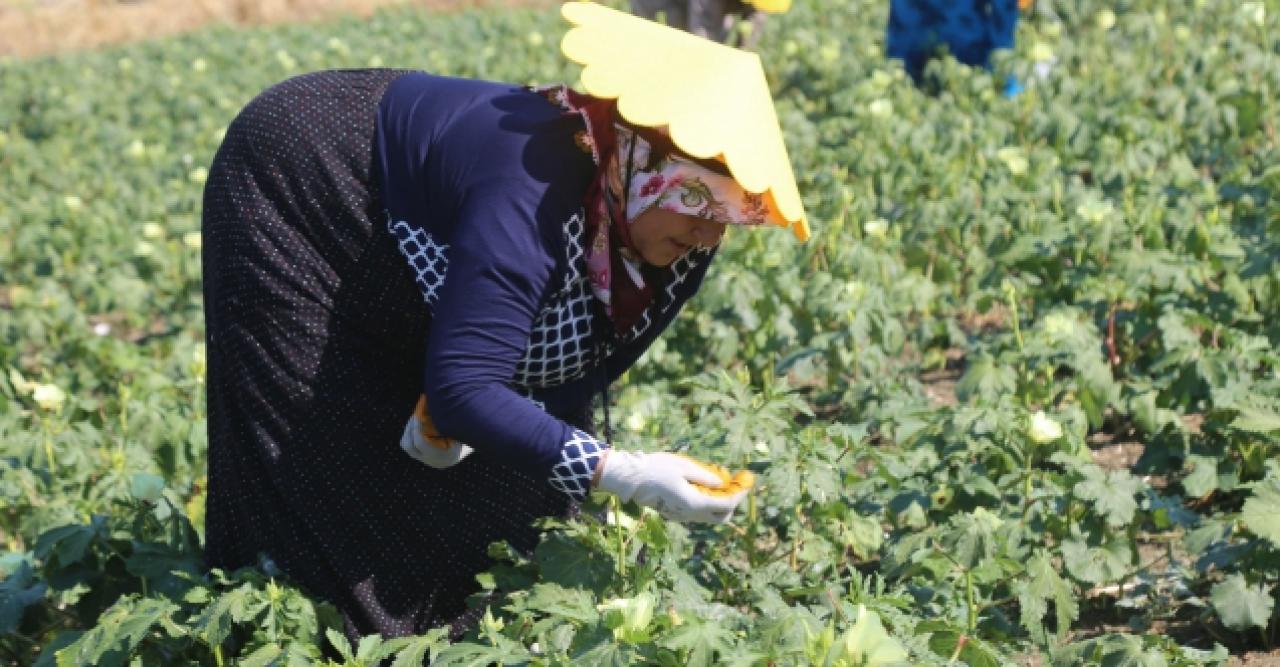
(700, 641)
(118, 632)
(945, 638)
(471, 654)
(1045, 585)
(1256, 420)
(986, 380)
(263, 656)
(1105, 564)
(413, 651)
(568, 563)
(1203, 478)
(597, 646)
(1261, 512)
(573, 604)
(146, 487)
(1112, 494)
(19, 591)
(67, 544)
(339, 642)
(1241, 606)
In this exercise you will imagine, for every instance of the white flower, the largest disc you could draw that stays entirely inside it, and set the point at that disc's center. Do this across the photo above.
(192, 240)
(762, 448)
(21, 384)
(634, 613)
(152, 230)
(1043, 429)
(856, 289)
(1094, 211)
(101, 329)
(877, 228)
(124, 64)
(535, 39)
(1105, 20)
(49, 397)
(375, 60)
(881, 108)
(136, 149)
(1042, 53)
(635, 422)
(621, 519)
(199, 65)
(1254, 11)
(1059, 325)
(4, 138)
(198, 175)
(1182, 32)
(830, 52)
(1052, 29)
(143, 249)
(1014, 158)
(72, 202)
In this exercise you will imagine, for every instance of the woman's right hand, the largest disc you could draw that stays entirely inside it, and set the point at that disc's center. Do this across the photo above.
(666, 482)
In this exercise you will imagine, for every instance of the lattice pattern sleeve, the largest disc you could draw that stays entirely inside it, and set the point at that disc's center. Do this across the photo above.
(578, 461)
(428, 259)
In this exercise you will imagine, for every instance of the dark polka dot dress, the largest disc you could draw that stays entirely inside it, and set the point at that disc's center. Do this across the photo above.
(352, 264)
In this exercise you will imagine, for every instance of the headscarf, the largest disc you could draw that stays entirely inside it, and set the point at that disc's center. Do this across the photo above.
(640, 168)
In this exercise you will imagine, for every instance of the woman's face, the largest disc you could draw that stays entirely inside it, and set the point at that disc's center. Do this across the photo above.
(661, 236)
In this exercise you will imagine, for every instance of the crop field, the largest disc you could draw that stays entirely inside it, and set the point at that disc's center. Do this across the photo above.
(1016, 403)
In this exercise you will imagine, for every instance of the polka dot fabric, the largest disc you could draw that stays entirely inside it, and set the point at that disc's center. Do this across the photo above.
(315, 334)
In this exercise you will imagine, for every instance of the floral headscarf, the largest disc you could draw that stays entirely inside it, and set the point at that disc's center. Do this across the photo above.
(641, 169)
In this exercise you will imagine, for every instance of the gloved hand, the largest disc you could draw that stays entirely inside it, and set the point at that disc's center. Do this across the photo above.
(423, 442)
(663, 481)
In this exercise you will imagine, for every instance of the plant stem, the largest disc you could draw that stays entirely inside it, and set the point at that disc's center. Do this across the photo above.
(48, 445)
(973, 607)
(1011, 295)
(616, 506)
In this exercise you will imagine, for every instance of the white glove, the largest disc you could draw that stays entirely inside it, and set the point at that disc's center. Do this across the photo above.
(662, 481)
(421, 441)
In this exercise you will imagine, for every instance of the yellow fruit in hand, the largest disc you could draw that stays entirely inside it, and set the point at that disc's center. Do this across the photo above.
(731, 483)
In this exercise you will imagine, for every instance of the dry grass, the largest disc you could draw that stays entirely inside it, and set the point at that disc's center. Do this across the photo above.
(37, 27)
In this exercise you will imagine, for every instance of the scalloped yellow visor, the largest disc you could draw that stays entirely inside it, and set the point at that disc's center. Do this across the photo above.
(711, 99)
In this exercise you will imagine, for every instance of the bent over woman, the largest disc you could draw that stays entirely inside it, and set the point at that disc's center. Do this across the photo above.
(414, 287)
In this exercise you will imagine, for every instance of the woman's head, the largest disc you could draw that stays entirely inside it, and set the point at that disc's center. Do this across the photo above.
(669, 202)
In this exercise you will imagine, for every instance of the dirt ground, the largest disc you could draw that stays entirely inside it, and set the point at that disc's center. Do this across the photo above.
(38, 27)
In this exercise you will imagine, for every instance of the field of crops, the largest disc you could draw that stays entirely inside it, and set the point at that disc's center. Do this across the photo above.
(1018, 401)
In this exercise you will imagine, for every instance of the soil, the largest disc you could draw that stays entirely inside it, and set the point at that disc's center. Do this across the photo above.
(40, 27)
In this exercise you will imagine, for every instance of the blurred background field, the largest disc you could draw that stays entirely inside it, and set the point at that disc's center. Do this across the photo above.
(1017, 401)
(34, 27)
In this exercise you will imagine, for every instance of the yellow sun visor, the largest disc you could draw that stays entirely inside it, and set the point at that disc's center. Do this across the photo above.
(712, 99)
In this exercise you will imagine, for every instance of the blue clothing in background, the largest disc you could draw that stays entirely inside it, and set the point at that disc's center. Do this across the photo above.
(969, 29)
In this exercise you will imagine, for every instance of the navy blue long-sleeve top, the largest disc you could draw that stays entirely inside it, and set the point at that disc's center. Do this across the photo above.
(484, 184)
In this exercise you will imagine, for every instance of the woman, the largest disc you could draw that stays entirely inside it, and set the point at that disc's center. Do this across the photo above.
(970, 30)
(496, 256)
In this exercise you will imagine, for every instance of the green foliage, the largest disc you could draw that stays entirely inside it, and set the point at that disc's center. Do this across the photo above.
(995, 289)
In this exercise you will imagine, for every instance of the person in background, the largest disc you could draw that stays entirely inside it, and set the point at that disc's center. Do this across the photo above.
(732, 22)
(970, 30)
